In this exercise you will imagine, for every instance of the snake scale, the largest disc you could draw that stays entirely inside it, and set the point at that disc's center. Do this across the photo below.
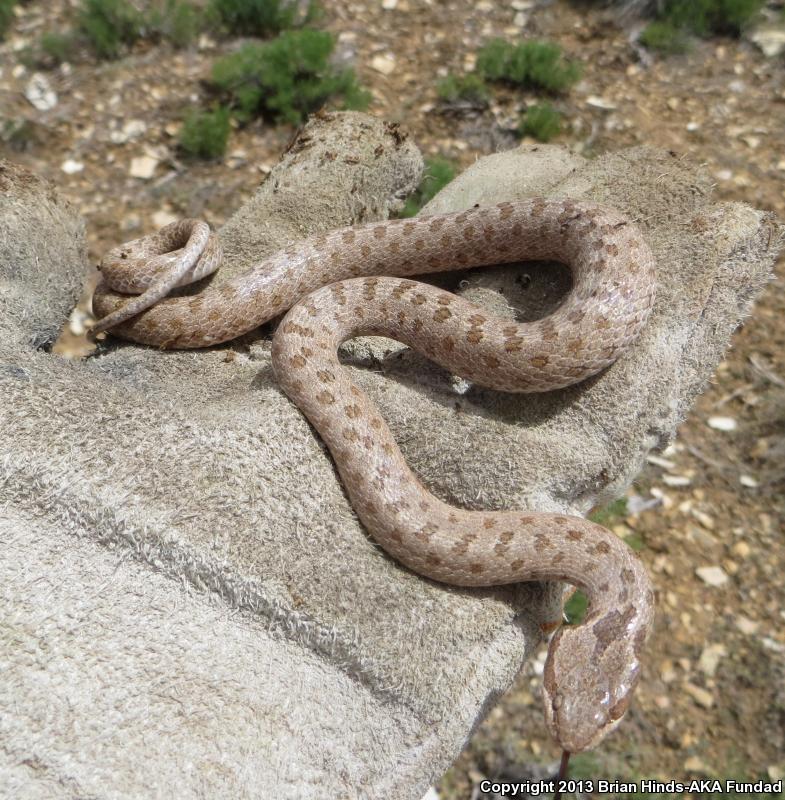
(336, 286)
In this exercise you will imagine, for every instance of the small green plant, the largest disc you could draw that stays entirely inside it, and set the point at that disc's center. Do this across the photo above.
(541, 121)
(611, 513)
(261, 17)
(678, 19)
(17, 134)
(287, 78)
(176, 21)
(204, 133)
(706, 17)
(438, 173)
(109, 25)
(575, 608)
(663, 36)
(535, 65)
(6, 15)
(58, 47)
(468, 88)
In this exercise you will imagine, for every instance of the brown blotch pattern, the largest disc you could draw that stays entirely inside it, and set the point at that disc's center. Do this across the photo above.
(610, 628)
(513, 344)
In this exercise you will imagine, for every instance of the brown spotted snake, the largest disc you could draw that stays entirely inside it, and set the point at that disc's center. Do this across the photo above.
(333, 279)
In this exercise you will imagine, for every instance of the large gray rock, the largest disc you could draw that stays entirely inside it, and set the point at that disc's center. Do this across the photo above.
(192, 607)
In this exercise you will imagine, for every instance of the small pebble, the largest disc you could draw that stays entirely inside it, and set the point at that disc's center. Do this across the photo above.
(694, 764)
(722, 423)
(71, 167)
(40, 93)
(702, 697)
(659, 461)
(383, 64)
(747, 626)
(676, 480)
(704, 519)
(161, 218)
(600, 102)
(710, 658)
(713, 576)
(143, 167)
(741, 549)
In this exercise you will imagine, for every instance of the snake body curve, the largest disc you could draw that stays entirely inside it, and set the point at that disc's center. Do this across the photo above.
(592, 668)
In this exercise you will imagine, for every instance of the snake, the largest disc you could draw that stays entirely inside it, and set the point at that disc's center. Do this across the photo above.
(354, 281)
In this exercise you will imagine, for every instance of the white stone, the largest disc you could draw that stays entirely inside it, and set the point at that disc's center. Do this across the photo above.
(722, 423)
(659, 461)
(161, 218)
(713, 576)
(384, 64)
(130, 130)
(600, 102)
(771, 41)
(701, 696)
(71, 166)
(40, 93)
(747, 626)
(710, 658)
(143, 167)
(676, 480)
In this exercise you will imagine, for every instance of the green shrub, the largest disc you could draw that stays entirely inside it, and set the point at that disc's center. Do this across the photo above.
(287, 78)
(176, 21)
(706, 17)
(17, 134)
(438, 173)
(541, 121)
(6, 15)
(108, 25)
(536, 65)
(469, 88)
(260, 17)
(58, 47)
(204, 133)
(613, 512)
(670, 32)
(664, 36)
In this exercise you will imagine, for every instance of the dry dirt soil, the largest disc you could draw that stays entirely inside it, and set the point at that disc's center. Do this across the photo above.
(712, 698)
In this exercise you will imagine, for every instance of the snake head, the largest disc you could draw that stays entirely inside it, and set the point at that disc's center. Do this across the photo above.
(590, 676)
